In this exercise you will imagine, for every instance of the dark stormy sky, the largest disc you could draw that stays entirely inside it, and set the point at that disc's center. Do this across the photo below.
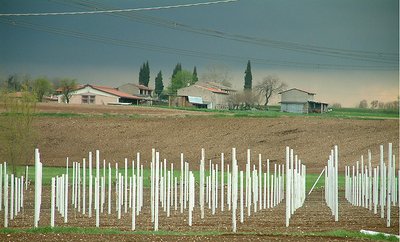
(344, 50)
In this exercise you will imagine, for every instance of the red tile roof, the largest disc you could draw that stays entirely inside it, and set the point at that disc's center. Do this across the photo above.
(114, 91)
(111, 90)
(216, 90)
(143, 87)
(212, 89)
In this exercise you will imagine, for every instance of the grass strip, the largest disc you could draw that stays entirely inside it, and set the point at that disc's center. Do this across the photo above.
(79, 230)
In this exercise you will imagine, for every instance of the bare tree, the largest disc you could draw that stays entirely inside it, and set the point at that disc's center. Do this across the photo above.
(67, 87)
(270, 86)
(336, 105)
(244, 100)
(217, 73)
(374, 104)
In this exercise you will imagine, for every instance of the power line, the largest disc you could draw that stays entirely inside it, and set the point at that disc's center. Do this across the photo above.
(369, 56)
(116, 10)
(177, 51)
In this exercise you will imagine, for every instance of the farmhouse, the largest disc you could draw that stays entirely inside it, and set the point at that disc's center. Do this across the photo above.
(100, 95)
(298, 101)
(209, 95)
(136, 89)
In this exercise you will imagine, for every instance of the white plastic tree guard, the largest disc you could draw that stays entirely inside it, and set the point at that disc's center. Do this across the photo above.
(295, 184)
(373, 187)
(38, 188)
(331, 183)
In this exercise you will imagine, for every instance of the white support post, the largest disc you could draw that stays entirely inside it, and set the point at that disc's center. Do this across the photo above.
(79, 187)
(156, 199)
(176, 194)
(126, 186)
(202, 183)
(234, 189)
(169, 193)
(52, 202)
(12, 197)
(38, 187)
(6, 197)
(152, 181)
(190, 192)
(119, 198)
(382, 202)
(216, 186)
(241, 197)
(133, 202)
(73, 185)
(27, 177)
(222, 182)
(336, 184)
(288, 193)
(181, 185)
(84, 187)
(260, 182)
(109, 188)
(96, 192)
(66, 198)
(90, 184)
(389, 184)
(268, 186)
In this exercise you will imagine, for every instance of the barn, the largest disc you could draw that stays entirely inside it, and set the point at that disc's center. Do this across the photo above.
(209, 95)
(299, 101)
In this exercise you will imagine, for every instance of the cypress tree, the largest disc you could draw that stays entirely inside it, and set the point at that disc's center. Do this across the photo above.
(159, 85)
(177, 69)
(141, 74)
(194, 78)
(146, 77)
(144, 74)
(248, 78)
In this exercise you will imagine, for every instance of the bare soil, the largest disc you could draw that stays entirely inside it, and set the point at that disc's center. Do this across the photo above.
(175, 131)
(314, 216)
(312, 138)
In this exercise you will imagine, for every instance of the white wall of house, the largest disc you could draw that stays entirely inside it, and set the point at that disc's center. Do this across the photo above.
(296, 96)
(100, 98)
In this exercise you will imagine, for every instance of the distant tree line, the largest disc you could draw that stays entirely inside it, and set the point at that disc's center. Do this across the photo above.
(39, 87)
(376, 104)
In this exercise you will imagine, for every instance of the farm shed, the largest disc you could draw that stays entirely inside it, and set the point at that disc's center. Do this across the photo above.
(100, 95)
(298, 101)
(204, 95)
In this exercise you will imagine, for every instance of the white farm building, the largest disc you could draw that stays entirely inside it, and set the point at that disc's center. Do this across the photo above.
(298, 101)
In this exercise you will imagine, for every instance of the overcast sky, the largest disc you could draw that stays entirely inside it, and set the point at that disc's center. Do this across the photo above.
(344, 50)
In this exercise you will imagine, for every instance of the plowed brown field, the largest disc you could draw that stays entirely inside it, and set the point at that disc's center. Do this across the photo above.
(176, 131)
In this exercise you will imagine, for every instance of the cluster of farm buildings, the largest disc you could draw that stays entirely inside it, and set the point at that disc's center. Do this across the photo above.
(210, 95)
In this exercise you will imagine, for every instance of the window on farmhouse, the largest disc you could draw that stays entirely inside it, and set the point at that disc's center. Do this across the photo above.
(88, 99)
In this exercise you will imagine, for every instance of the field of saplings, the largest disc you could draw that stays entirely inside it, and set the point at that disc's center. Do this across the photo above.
(246, 179)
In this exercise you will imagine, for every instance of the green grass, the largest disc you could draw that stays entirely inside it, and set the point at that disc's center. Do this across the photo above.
(360, 113)
(49, 172)
(311, 178)
(80, 230)
(272, 112)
